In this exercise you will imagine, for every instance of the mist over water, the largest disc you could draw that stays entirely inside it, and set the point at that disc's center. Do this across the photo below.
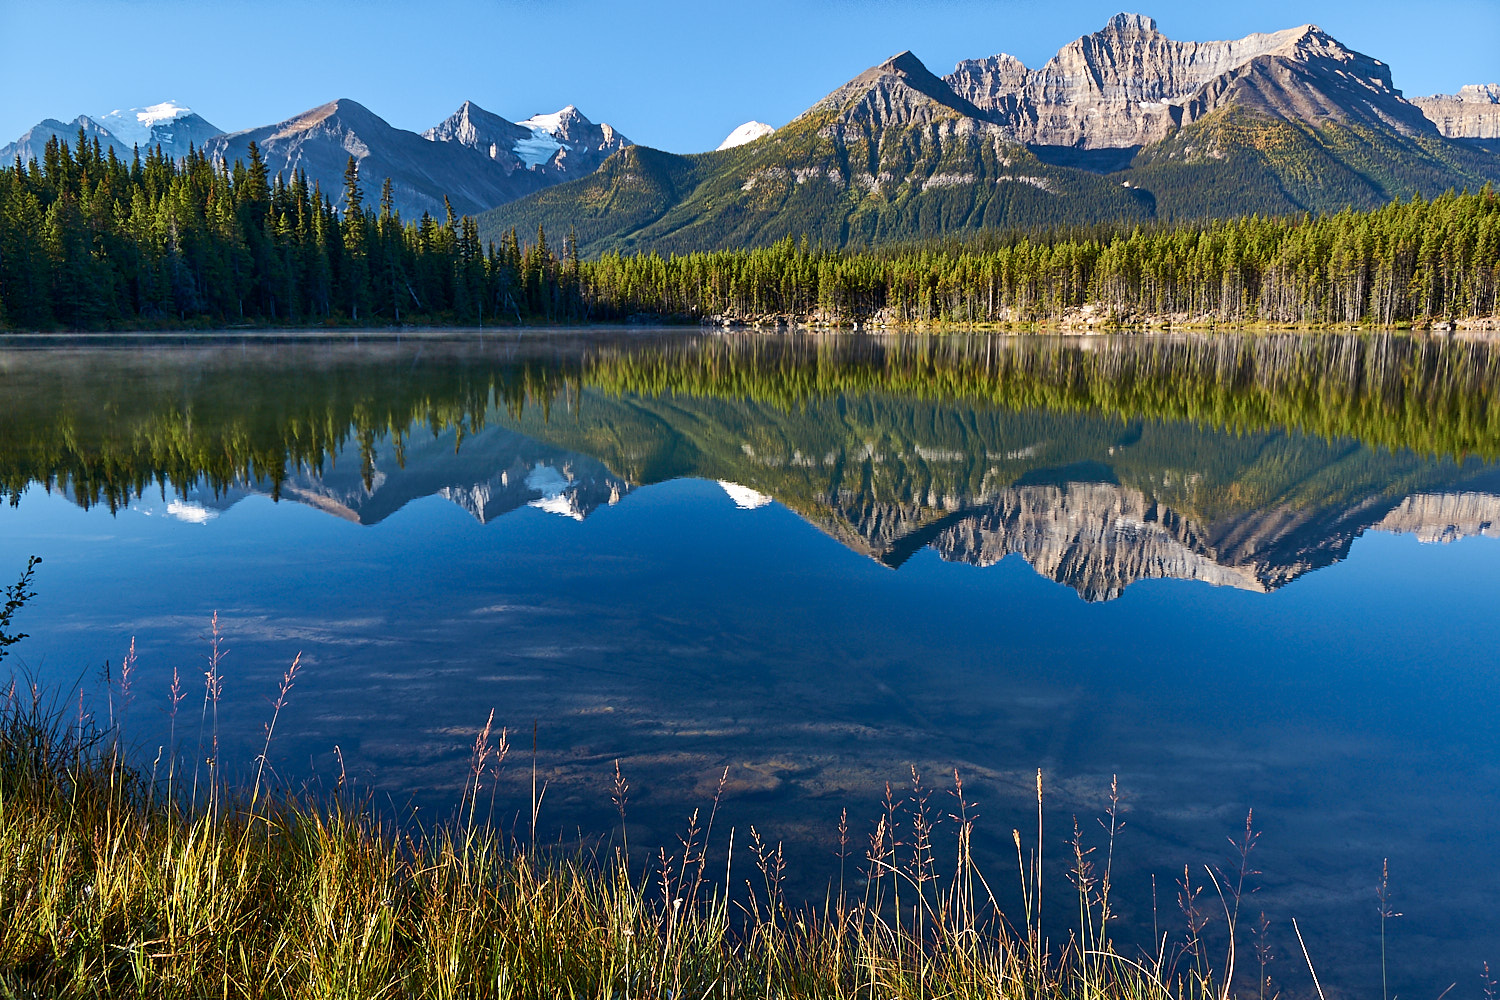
(1241, 572)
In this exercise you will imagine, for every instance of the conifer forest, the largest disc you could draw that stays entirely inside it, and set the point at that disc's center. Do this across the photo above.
(91, 242)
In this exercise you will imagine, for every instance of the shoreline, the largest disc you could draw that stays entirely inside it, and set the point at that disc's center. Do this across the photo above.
(1073, 323)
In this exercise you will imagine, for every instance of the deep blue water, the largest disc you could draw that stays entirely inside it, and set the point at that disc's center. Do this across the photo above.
(683, 629)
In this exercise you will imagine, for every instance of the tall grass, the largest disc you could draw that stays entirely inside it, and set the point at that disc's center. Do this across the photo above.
(111, 887)
(123, 881)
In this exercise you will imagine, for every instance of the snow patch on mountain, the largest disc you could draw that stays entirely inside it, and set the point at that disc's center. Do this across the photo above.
(537, 150)
(748, 132)
(544, 142)
(551, 124)
(134, 127)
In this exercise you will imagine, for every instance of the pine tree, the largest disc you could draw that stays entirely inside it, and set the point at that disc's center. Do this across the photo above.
(355, 276)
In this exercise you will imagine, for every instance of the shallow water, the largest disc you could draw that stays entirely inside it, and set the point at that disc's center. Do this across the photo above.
(820, 563)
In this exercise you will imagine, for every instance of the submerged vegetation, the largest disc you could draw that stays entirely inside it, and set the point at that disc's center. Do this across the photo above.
(89, 242)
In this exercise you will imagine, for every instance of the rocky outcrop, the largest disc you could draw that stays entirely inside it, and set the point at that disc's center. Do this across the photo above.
(1472, 113)
(1130, 85)
(480, 130)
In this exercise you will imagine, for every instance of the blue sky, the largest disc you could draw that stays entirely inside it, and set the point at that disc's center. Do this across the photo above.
(677, 75)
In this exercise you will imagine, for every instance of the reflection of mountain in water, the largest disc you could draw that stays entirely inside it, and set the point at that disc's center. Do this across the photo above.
(1100, 537)
(1099, 462)
(1089, 503)
(489, 473)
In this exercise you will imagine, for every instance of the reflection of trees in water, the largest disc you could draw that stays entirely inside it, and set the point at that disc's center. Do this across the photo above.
(960, 412)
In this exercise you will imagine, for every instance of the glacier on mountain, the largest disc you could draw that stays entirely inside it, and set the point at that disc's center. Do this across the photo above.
(134, 126)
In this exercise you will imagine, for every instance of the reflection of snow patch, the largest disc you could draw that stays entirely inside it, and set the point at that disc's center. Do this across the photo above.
(560, 504)
(552, 486)
(743, 496)
(546, 480)
(192, 513)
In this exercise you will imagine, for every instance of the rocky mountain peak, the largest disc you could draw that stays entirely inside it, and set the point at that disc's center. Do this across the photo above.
(1130, 85)
(566, 141)
(904, 64)
(1131, 24)
(899, 91)
(478, 129)
(338, 115)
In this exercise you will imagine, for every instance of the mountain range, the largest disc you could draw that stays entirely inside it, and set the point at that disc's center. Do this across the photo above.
(169, 125)
(1122, 125)
(474, 159)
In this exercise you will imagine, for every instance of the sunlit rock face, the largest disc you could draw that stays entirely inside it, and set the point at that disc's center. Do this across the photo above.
(1472, 113)
(1130, 85)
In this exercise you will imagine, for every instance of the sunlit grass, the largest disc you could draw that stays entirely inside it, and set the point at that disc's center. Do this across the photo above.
(121, 879)
(117, 885)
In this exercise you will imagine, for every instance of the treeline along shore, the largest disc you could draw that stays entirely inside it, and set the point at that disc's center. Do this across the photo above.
(89, 241)
(107, 434)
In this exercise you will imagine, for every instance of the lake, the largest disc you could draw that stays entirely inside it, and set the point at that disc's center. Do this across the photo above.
(1249, 572)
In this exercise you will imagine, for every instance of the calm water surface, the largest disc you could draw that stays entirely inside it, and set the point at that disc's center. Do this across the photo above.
(1238, 574)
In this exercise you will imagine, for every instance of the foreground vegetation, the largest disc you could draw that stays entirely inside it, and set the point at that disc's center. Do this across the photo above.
(88, 241)
(119, 882)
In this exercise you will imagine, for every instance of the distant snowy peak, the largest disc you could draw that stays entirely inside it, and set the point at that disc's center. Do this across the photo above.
(143, 126)
(546, 137)
(562, 142)
(568, 132)
(169, 125)
(748, 132)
